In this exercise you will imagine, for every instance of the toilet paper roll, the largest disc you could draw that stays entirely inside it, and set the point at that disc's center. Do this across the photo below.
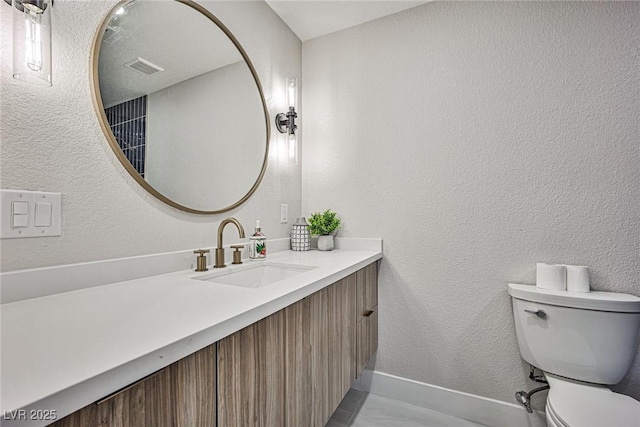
(551, 276)
(578, 278)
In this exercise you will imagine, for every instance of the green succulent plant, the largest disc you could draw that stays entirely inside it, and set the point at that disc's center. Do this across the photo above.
(323, 223)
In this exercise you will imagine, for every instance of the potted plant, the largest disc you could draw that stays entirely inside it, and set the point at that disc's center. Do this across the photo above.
(324, 226)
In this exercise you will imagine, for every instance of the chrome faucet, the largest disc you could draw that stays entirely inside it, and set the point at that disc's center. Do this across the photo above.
(220, 249)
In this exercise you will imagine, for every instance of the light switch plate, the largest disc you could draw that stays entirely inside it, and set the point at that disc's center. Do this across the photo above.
(8, 229)
(284, 213)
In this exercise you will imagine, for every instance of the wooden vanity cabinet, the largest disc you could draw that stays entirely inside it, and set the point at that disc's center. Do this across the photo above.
(290, 369)
(182, 394)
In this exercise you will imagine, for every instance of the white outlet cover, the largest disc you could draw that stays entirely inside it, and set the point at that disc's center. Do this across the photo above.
(7, 197)
(284, 213)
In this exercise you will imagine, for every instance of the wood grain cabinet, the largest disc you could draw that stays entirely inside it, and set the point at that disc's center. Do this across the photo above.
(290, 369)
(251, 375)
(332, 344)
(342, 335)
(294, 367)
(367, 314)
(182, 394)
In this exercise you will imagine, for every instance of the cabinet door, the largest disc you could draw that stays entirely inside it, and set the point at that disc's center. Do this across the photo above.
(367, 289)
(319, 357)
(367, 312)
(125, 409)
(251, 375)
(373, 332)
(298, 400)
(342, 338)
(182, 394)
(292, 368)
(367, 340)
(332, 347)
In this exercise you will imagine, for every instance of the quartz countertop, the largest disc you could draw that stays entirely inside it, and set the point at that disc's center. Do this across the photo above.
(67, 350)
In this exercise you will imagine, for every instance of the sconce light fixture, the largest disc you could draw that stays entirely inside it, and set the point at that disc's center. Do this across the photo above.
(286, 122)
(32, 40)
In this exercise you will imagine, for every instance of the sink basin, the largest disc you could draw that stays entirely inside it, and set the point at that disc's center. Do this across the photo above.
(256, 275)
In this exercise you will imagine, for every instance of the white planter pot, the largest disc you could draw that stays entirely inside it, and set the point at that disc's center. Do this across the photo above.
(325, 243)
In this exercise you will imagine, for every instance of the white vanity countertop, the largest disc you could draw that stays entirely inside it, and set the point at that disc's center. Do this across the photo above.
(67, 350)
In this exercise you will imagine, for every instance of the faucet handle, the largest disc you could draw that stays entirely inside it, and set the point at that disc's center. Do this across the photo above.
(237, 255)
(201, 260)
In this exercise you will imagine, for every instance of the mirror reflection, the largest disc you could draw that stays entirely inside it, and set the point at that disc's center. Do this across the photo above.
(183, 106)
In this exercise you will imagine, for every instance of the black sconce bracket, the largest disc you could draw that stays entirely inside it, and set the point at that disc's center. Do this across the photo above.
(286, 123)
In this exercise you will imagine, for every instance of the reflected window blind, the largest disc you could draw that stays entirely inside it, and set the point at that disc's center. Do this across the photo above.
(128, 122)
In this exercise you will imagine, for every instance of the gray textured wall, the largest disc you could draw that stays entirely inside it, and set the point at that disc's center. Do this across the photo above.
(478, 138)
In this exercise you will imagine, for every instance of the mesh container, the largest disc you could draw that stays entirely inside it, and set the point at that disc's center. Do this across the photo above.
(300, 235)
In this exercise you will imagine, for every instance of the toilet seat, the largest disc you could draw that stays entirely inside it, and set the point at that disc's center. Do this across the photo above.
(574, 404)
(552, 418)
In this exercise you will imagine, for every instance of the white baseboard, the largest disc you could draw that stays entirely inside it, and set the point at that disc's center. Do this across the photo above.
(489, 412)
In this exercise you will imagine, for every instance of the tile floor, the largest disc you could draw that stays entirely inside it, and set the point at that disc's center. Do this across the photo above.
(361, 409)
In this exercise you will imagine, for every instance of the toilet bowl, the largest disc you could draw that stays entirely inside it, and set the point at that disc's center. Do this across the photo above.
(574, 404)
(583, 342)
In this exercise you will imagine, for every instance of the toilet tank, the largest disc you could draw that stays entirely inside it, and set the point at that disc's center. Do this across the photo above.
(588, 337)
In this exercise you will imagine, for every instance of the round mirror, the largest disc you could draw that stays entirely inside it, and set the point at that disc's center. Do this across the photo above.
(180, 104)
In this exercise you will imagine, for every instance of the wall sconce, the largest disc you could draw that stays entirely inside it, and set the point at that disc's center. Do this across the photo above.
(286, 122)
(32, 40)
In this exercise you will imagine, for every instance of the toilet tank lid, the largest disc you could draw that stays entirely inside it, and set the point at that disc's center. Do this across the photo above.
(600, 301)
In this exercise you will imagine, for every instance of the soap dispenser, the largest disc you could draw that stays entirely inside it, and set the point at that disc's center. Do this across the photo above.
(257, 244)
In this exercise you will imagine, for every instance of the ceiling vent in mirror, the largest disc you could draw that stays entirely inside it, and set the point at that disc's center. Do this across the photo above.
(109, 34)
(143, 66)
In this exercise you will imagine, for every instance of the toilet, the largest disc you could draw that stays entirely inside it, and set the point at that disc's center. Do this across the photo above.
(583, 342)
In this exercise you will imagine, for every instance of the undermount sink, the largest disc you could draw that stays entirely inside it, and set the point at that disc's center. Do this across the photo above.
(256, 275)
